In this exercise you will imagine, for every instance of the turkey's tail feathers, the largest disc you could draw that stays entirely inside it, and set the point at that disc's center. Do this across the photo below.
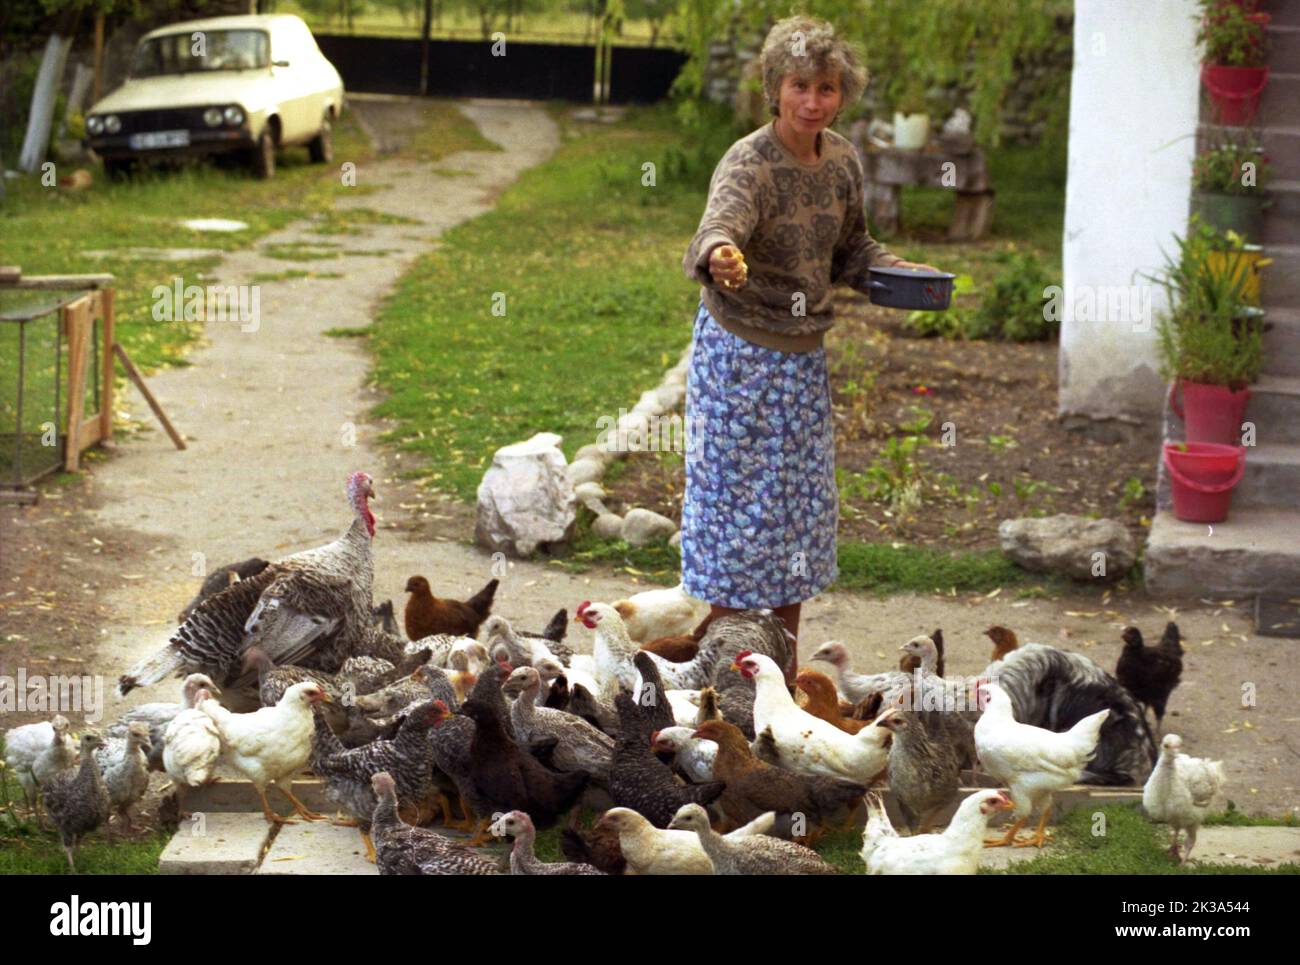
(163, 662)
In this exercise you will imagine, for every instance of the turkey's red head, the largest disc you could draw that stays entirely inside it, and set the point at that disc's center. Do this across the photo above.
(361, 489)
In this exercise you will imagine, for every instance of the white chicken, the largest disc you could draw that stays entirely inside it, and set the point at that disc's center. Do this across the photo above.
(805, 743)
(270, 745)
(1033, 762)
(35, 752)
(651, 851)
(694, 756)
(1180, 792)
(661, 613)
(191, 748)
(613, 652)
(954, 852)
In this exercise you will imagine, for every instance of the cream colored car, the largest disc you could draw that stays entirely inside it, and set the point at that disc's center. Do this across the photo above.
(242, 86)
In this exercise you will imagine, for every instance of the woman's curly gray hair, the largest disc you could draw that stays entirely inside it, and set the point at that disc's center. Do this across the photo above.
(806, 47)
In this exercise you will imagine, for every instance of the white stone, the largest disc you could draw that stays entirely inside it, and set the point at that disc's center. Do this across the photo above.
(608, 526)
(584, 471)
(642, 526)
(593, 450)
(526, 498)
(589, 490)
(214, 224)
(1073, 545)
(676, 540)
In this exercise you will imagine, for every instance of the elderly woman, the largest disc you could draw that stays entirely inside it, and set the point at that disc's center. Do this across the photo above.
(784, 224)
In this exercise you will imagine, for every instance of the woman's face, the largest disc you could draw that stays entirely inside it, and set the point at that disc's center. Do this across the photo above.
(808, 105)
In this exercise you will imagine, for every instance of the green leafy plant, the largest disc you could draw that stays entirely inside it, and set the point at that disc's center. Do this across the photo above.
(1207, 335)
(1221, 169)
(1012, 306)
(1231, 37)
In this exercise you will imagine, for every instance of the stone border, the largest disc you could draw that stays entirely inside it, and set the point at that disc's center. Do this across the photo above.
(638, 526)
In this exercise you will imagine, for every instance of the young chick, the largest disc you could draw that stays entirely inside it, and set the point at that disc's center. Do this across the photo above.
(404, 850)
(651, 851)
(1180, 792)
(756, 854)
(191, 747)
(523, 861)
(77, 800)
(124, 762)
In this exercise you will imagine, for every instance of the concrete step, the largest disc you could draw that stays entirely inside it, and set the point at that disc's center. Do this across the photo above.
(1275, 409)
(1280, 284)
(1283, 47)
(217, 844)
(1284, 12)
(1279, 104)
(1282, 342)
(1255, 550)
(239, 795)
(1282, 216)
(1272, 476)
(316, 848)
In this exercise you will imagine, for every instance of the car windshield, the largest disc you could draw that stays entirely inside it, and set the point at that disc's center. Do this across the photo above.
(202, 50)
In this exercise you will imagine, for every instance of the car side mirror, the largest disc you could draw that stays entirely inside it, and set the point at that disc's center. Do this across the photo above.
(279, 63)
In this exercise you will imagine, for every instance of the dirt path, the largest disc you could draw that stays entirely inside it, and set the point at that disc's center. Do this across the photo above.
(276, 420)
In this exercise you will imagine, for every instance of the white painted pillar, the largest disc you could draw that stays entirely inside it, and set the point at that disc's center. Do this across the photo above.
(1133, 114)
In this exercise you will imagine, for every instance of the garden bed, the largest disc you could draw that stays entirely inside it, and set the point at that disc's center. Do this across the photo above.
(1011, 457)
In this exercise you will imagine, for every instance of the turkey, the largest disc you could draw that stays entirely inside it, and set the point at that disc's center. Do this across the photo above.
(313, 609)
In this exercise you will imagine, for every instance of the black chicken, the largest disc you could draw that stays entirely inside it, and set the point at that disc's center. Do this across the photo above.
(1150, 674)
(505, 777)
(639, 780)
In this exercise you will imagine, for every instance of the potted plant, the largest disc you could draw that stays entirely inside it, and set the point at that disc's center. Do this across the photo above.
(1211, 341)
(1228, 185)
(1233, 66)
(911, 117)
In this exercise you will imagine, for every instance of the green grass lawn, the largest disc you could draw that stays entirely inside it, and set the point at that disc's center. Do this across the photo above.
(557, 307)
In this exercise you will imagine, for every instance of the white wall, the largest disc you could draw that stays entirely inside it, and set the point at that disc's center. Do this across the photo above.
(1133, 114)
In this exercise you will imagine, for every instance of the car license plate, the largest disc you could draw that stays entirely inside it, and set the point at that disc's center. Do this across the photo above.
(153, 139)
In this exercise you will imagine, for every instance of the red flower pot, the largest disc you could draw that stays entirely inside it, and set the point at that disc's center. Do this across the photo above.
(1202, 476)
(1214, 413)
(1235, 92)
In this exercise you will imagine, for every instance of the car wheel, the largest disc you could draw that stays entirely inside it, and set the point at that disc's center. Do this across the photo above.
(263, 159)
(321, 147)
(118, 168)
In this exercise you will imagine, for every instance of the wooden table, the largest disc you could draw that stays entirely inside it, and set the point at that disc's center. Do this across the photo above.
(887, 170)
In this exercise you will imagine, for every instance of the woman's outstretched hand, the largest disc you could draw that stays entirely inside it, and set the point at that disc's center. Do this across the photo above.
(727, 266)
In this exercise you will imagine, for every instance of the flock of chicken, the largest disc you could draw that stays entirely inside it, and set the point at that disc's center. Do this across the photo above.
(684, 729)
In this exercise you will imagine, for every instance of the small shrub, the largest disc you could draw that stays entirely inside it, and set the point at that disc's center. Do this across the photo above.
(1012, 307)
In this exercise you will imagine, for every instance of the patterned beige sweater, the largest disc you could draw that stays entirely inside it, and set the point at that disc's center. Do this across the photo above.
(802, 230)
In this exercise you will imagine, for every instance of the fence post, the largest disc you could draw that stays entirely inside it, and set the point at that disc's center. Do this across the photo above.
(106, 360)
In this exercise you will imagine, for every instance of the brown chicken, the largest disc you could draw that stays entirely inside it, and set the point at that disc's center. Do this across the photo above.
(1004, 641)
(682, 648)
(822, 701)
(427, 614)
(754, 788)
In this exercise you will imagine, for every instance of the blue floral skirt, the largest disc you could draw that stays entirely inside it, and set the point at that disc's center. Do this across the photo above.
(761, 506)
